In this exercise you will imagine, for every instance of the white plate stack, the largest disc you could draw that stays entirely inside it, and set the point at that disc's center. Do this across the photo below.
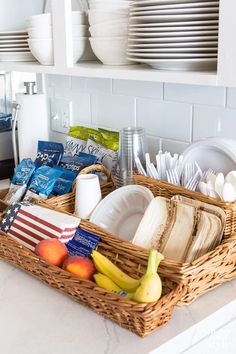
(14, 46)
(108, 21)
(41, 36)
(174, 34)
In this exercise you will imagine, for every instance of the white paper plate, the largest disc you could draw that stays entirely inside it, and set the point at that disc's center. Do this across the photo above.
(216, 153)
(15, 33)
(172, 50)
(174, 24)
(196, 44)
(136, 56)
(173, 28)
(122, 210)
(19, 56)
(173, 34)
(180, 4)
(190, 11)
(181, 64)
(14, 45)
(173, 39)
(165, 2)
(171, 18)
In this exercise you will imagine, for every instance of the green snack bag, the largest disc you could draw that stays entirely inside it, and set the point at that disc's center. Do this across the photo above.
(76, 141)
(104, 144)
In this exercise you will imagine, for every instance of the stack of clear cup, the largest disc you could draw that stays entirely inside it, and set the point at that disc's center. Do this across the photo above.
(132, 145)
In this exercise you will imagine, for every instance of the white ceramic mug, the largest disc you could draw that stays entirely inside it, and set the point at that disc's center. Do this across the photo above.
(87, 196)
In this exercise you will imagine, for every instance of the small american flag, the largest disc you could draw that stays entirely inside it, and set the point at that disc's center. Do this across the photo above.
(30, 224)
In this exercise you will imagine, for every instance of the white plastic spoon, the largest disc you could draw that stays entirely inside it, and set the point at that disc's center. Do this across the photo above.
(219, 184)
(229, 194)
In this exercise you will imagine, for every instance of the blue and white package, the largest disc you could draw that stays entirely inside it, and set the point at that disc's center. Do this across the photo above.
(49, 153)
(83, 243)
(42, 183)
(20, 180)
(64, 183)
(78, 163)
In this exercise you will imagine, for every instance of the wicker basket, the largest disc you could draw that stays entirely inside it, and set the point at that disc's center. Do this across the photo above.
(168, 190)
(141, 319)
(66, 202)
(210, 270)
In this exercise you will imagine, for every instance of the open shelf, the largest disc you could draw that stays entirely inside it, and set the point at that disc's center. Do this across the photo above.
(128, 72)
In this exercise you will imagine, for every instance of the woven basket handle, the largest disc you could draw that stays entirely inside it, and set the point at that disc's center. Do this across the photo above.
(98, 168)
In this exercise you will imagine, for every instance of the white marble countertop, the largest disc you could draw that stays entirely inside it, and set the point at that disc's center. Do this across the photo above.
(36, 319)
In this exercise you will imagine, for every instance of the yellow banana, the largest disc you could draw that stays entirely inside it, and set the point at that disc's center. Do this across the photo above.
(150, 287)
(106, 267)
(106, 283)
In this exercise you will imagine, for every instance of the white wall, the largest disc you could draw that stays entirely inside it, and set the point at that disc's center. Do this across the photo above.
(173, 115)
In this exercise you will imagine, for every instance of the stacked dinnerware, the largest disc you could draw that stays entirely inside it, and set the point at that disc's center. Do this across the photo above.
(108, 21)
(174, 34)
(14, 46)
(41, 36)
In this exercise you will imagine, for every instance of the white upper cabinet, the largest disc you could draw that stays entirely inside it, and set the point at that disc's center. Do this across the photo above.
(63, 49)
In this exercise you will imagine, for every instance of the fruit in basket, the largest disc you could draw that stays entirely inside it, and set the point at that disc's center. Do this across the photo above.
(106, 283)
(53, 251)
(150, 287)
(106, 267)
(80, 266)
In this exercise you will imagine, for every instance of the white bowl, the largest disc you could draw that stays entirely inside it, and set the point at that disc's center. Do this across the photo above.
(79, 18)
(115, 28)
(122, 210)
(100, 16)
(42, 50)
(80, 31)
(42, 20)
(45, 32)
(103, 4)
(110, 50)
(79, 46)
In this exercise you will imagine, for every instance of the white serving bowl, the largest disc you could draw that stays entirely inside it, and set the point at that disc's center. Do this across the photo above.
(42, 50)
(103, 4)
(80, 31)
(79, 18)
(115, 28)
(100, 16)
(110, 50)
(79, 46)
(43, 32)
(43, 20)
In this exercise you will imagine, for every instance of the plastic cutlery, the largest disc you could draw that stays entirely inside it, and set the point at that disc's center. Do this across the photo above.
(229, 193)
(140, 168)
(219, 184)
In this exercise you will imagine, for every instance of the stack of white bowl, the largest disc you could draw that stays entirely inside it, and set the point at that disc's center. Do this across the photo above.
(108, 21)
(41, 36)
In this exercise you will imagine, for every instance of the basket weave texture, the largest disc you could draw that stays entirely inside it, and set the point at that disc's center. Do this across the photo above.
(141, 319)
(210, 270)
(66, 202)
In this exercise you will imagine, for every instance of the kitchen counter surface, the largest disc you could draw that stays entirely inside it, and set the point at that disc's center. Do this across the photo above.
(35, 319)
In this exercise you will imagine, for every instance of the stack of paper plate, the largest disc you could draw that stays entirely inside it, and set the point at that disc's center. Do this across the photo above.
(174, 34)
(14, 46)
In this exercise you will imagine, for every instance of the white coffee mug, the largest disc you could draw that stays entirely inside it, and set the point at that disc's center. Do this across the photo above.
(87, 196)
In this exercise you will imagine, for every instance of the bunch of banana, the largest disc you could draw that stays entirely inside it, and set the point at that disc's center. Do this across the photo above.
(110, 277)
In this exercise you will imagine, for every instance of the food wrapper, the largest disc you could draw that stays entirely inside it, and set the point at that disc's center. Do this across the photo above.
(78, 163)
(20, 181)
(49, 153)
(42, 183)
(64, 183)
(83, 243)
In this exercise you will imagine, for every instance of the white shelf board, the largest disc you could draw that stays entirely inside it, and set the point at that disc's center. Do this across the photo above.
(127, 72)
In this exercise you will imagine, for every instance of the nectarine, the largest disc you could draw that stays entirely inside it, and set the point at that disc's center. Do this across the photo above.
(80, 266)
(53, 251)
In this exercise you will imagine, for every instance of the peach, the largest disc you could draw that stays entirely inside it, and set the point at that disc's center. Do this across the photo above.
(80, 266)
(53, 251)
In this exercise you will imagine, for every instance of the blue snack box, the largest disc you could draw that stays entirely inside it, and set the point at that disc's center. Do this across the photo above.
(83, 243)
